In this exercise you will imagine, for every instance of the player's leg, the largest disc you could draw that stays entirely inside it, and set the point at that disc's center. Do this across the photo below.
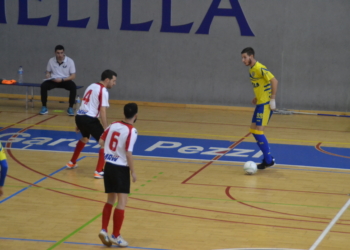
(80, 121)
(261, 117)
(118, 219)
(96, 132)
(72, 88)
(44, 88)
(110, 187)
(3, 169)
(123, 180)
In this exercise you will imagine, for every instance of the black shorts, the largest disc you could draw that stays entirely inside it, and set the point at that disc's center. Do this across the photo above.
(116, 179)
(89, 126)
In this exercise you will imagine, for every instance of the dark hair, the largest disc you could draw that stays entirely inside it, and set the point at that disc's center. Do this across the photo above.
(108, 74)
(59, 47)
(249, 51)
(130, 110)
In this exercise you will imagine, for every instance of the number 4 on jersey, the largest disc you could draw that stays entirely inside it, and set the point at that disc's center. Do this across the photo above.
(86, 98)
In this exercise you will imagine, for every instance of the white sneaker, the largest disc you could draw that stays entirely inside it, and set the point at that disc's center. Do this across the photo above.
(119, 241)
(98, 175)
(104, 238)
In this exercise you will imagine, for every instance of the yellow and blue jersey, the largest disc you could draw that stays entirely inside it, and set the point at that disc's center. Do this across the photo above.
(2, 153)
(3, 166)
(260, 77)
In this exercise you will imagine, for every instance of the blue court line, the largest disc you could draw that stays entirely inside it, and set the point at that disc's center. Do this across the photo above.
(42, 179)
(47, 241)
(91, 244)
(77, 243)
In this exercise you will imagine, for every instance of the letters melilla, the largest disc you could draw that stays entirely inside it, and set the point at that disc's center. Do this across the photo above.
(213, 11)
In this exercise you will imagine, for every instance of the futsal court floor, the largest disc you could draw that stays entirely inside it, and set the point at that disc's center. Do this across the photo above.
(191, 191)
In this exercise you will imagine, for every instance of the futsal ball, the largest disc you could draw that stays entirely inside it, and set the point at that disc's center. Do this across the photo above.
(250, 167)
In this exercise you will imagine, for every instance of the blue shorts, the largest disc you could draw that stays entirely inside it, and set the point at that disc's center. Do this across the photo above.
(262, 114)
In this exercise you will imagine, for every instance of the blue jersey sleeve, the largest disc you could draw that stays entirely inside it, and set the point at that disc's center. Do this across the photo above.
(3, 172)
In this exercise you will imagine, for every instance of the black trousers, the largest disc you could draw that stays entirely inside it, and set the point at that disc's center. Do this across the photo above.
(68, 85)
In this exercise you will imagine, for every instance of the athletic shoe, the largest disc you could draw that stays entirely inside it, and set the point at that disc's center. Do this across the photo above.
(71, 165)
(44, 110)
(264, 165)
(104, 238)
(98, 175)
(119, 241)
(70, 111)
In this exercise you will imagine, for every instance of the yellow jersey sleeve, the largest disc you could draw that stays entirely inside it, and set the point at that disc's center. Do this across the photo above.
(260, 77)
(2, 153)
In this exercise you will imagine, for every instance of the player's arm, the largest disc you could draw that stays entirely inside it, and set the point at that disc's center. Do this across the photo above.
(131, 165)
(101, 142)
(48, 70)
(72, 71)
(103, 116)
(69, 78)
(48, 74)
(128, 153)
(274, 84)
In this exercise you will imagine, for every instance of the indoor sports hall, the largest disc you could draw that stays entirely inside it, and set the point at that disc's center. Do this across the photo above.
(205, 75)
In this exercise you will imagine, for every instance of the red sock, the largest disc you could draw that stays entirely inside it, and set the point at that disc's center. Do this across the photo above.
(106, 214)
(118, 218)
(77, 150)
(101, 160)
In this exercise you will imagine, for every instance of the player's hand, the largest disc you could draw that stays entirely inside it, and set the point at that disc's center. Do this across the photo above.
(1, 192)
(272, 104)
(254, 101)
(134, 178)
(77, 130)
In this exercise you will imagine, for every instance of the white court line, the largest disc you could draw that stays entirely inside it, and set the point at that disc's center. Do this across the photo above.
(27, 146)
(258, 249)
(328, 228)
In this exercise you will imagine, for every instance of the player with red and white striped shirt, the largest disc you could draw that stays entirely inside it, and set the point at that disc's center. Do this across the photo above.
(118, 141)
(93, 106)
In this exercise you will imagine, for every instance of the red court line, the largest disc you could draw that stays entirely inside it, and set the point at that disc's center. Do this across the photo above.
(269, 189)
(215, 158)
(227, 188)
(235, 222)
(247, 215)
(18, 122)
(40, 173)
(181, 215)
(187, 216)
(31, 184)
(227, 191)
(8, 145)
(318, 147)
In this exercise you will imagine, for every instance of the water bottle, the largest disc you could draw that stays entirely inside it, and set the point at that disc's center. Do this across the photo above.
(77, 103)
(20, 74)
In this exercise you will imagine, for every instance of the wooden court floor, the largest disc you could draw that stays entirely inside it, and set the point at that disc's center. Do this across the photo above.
(177, 203)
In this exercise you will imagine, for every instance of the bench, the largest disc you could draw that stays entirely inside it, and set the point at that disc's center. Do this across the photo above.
(32, 86)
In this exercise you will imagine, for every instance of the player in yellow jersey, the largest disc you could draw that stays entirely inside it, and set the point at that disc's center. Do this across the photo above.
(265, 88)
(3, 168)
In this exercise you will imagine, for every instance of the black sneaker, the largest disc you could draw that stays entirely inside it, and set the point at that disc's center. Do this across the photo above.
(264, 165)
